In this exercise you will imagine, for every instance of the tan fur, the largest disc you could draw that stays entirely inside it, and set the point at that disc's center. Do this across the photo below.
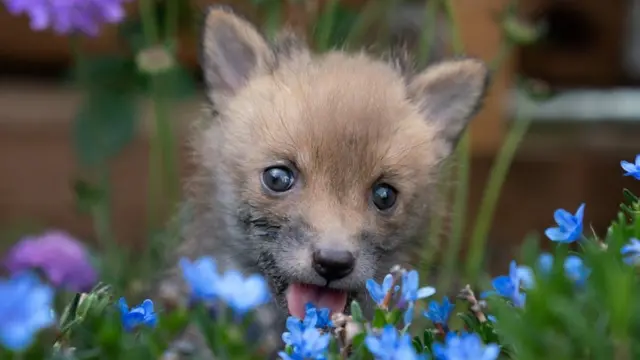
(344, 122)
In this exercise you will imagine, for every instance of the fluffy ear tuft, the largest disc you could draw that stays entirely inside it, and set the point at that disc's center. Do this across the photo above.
(449, 94)
(232, 52)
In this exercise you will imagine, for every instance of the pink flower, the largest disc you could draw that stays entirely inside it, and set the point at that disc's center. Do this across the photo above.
(63, 259)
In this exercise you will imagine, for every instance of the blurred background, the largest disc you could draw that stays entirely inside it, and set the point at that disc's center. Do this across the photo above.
(585, 63)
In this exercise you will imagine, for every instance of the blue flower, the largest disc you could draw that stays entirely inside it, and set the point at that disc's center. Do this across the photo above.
(632, 169)
(142, 314)
(379, 291)
(305, 339)
(389, 345)
(509, 286)
(242, 294)
(439, 313)
(408, 315)
(465, 347)
(631, 252)
(569, 227)
(201, 277)
(323, 319)
(25, 309)
(410, 292)
(575, 270)
(574, 267)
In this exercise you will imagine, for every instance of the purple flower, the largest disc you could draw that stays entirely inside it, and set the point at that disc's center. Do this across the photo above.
(69, 16)
(64, 261)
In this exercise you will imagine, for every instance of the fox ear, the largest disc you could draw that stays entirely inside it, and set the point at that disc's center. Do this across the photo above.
(449, 94)
(232, 52)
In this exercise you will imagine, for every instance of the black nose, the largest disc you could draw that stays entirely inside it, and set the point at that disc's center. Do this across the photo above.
(333, 264)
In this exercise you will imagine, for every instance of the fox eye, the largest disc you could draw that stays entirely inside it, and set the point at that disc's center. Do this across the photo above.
(384, 196)
(278, 179)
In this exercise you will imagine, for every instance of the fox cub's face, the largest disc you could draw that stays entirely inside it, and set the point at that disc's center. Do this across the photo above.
(324, 164)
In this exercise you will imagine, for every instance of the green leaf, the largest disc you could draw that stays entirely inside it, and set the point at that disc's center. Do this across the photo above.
(105, 124)
(356, 312)
(87, 195)
(629, 197)
(393, 316)
(379, 319)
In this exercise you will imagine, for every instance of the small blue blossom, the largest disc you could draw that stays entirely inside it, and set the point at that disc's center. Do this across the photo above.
(142, 314)
(409, 292)
(631, 252)
(305, 339)
(242, 294)
(575, 270)
(26, 308)
(379, 291)
(312, 319)
(465, 347)
(389, 345)
(201, 277)
(569, 227)
(408, 315)
(545, 262)
(508, 286)
(632, 169)
(439, 313)
(323, 319)
(574, 267)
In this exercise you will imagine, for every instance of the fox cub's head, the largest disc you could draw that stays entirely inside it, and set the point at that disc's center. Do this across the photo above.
(324, 165)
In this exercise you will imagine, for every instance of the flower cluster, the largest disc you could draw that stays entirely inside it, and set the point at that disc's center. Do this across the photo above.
(240, 293)
(69, 16)
(41, 267)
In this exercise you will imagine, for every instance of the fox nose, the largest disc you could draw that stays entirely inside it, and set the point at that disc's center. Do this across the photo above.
(333, 264)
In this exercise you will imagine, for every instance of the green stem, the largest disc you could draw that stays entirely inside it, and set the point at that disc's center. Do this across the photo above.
(459, 213)
(462, 176)
(163, 177)
(273, 18)
(100, 212)
(171, 18)
(427, 38)
(325, 26)
(458, 45)
(492, 193)
(370, 13)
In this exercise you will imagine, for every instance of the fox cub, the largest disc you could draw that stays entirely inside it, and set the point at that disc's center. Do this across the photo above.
(317, 170)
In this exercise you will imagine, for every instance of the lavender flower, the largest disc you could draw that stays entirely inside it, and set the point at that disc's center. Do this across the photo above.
(69, 16)
(25, 309)
(62, 258)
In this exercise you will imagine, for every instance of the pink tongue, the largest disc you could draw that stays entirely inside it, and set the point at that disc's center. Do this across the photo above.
(298, 295)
